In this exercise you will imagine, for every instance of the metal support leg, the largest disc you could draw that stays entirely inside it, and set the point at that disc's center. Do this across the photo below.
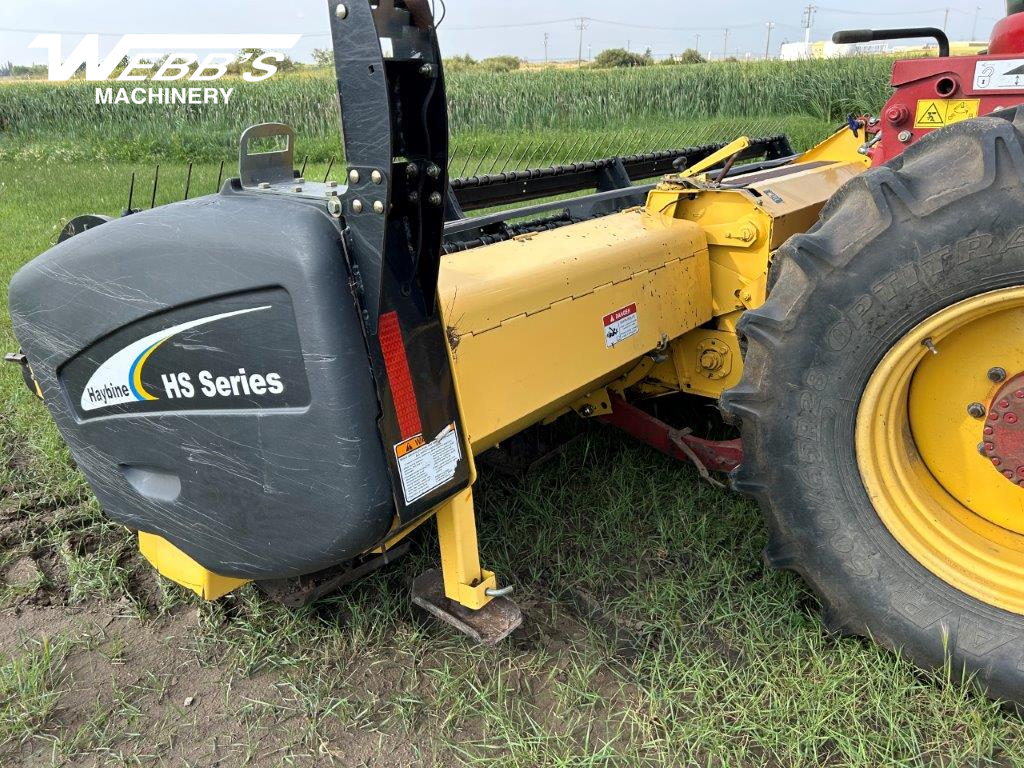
(464, 581)
(462, 593)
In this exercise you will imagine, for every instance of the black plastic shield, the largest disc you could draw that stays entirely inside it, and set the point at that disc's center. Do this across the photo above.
(395, 120)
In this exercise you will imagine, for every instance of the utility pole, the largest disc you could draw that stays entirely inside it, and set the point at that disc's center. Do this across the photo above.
(808, 23)
(768, 44)
(974, 29)
(945, 21)
(546, 36)
(698, 43)
(629, 46)
(725, 45)
(581, 26)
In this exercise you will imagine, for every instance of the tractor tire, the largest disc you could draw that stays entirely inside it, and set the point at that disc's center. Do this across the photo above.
(933, 234)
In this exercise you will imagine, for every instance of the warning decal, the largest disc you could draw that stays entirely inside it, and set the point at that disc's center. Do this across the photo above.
(938, 113)
(620, 325)
(1006, 75)
(424, 466)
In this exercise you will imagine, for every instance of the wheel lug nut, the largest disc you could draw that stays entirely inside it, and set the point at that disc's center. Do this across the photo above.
(977, 410)
(1011, 418)
(997, 374)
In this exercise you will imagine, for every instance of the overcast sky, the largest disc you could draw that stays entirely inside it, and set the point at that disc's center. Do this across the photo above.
(491, 27)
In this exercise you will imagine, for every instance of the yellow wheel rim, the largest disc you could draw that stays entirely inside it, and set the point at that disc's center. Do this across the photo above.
(919, 449)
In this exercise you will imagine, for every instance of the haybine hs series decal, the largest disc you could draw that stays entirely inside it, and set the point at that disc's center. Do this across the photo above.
(119, 379)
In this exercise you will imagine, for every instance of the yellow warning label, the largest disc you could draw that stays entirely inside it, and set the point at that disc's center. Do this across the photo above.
(938, 113)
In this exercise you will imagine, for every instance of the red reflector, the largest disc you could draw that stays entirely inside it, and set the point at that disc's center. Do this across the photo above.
(397, 365)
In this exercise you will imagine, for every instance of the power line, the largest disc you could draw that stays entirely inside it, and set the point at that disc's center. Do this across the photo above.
(919, 12)
(581, 26)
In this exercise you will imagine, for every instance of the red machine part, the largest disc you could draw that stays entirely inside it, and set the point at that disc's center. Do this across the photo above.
(932, 93)
(1008, 36)
(714, 455)
(1004, 430)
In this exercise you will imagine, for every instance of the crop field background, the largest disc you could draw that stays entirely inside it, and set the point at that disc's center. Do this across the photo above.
(693, 105)
(654, 636)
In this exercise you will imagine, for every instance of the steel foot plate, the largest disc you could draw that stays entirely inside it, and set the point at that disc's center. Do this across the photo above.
(489, 626)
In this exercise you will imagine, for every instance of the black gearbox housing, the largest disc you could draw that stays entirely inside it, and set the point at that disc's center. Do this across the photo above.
(205, 363)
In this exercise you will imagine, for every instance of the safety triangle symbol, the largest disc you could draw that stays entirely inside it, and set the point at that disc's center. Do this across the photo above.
(932, 117)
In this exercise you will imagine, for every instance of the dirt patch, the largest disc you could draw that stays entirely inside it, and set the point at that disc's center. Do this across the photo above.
(23, 573)
(144, 691)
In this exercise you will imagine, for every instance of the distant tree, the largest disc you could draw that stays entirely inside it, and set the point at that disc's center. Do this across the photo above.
(247, 56)
(36, 70)
(243, 61)
(460, 63)
(691, 56)
(501, 63)
(323, 58)
(619, 57)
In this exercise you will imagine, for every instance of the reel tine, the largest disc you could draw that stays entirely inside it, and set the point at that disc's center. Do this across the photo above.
(637, 142)
(479, 165)
(131, 193)
(156, 181)
(508, 159)
(188, 181)
(220, 177)
(451, 157)
(469, 159)
(497, 157)
(521, 162)
(655, 142)
(591, 153)
(538, 151)
(330, 166)
(574, 149)
(555, 153)
(302, 171)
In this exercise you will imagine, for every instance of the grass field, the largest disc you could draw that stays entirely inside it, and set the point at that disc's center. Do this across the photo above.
(36, 116)
(654, 635)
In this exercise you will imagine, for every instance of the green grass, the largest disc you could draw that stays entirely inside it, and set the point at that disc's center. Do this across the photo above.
(654, 635)
(35, 117)
(30, 687)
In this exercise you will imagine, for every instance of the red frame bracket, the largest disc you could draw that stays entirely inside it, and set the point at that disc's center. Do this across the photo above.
(715, 455)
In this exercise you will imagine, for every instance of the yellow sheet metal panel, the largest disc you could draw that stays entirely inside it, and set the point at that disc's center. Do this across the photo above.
(175, 565)
(539, 321)
(748, 218)
(707, 362)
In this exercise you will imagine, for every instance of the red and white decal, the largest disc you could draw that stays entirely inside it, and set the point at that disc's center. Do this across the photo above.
(620, 325)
